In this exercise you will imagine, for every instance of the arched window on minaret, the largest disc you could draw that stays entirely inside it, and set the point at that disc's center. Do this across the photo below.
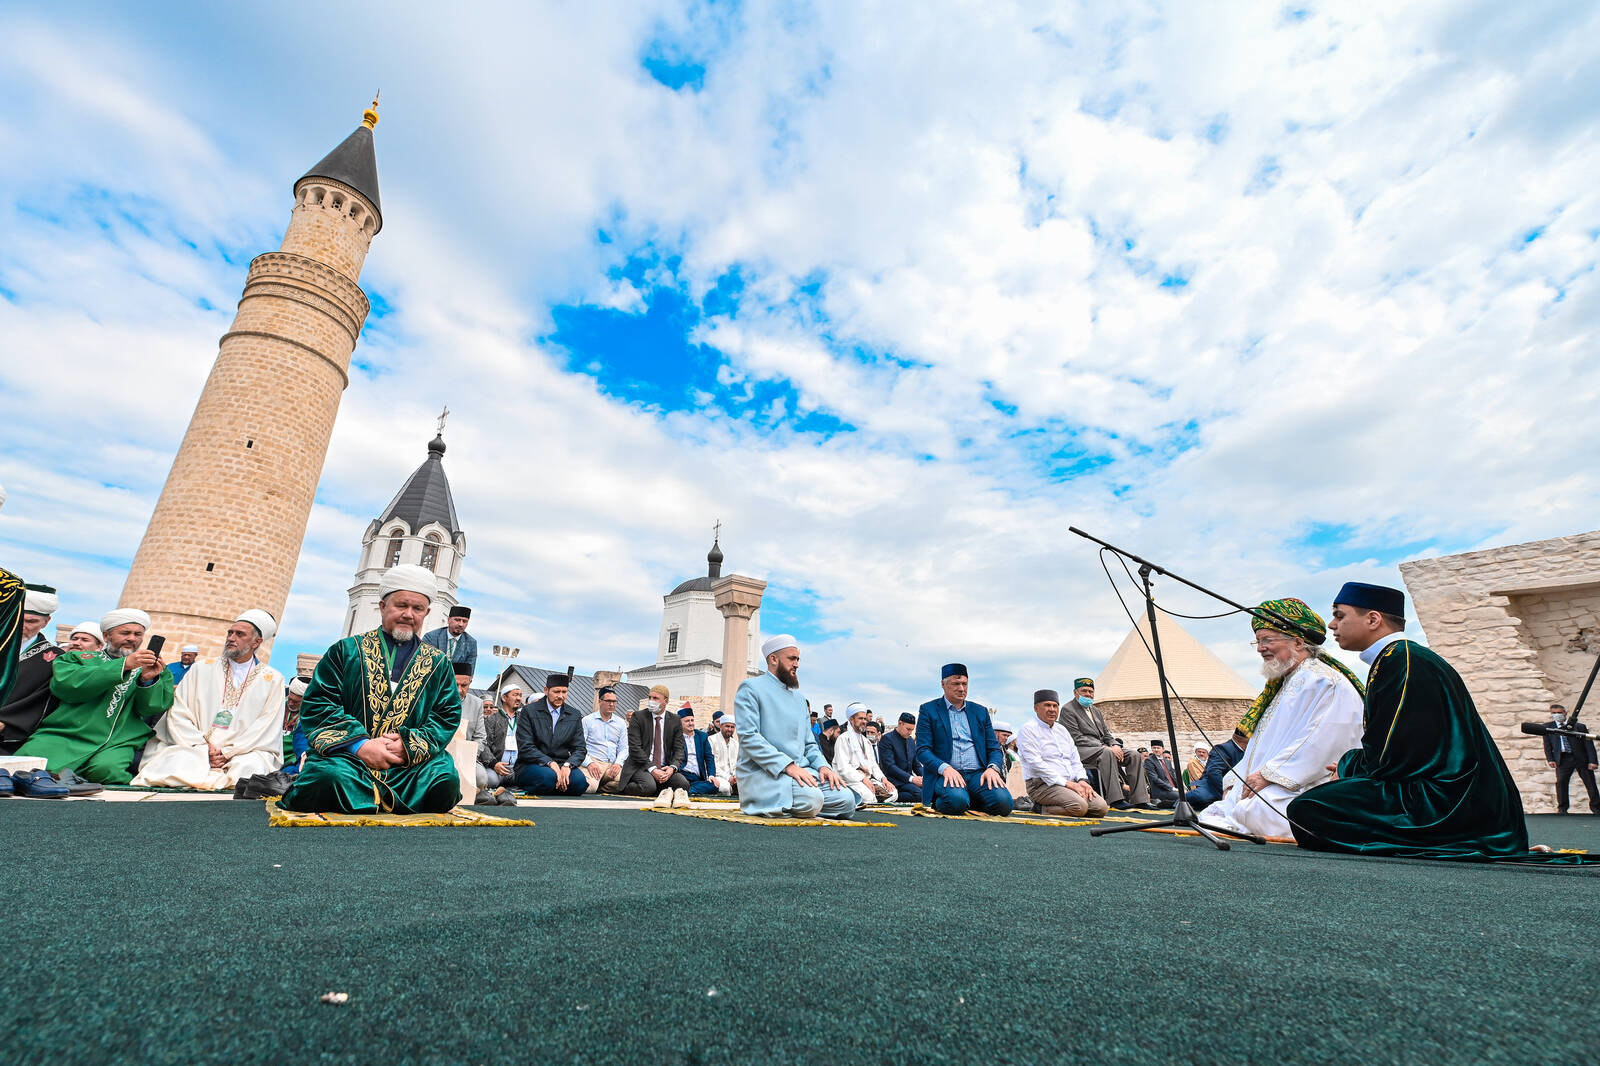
(397, 541)
(430, 550)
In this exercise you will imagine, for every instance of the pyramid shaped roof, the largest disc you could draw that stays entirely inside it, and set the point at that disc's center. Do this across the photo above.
(425, 497)
(354, 163)
(1193, 670)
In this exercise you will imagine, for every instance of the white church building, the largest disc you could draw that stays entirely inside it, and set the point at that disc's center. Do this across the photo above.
(689, 647)
(419, 526)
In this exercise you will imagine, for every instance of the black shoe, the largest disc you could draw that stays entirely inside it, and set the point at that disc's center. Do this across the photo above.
(38, 784)
(1121, 805)
(276, 783)
(7, 788)
(505, 797)
(78, 786)
(260, 786)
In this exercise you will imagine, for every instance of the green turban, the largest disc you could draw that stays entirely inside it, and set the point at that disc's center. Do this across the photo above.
(1308, 624)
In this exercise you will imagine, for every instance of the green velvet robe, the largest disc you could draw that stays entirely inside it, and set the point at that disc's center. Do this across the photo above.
(103, 719)
(1427, 781)
(11, 594)
(349, 699)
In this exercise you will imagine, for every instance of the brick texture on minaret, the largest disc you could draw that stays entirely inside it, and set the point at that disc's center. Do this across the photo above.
(227, 530)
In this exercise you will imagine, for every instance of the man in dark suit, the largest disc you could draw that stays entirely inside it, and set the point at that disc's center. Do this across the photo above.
(1158, 777)
(1566, 755)
(897, 754)
(698, 767)
(655, 751)
(962, 765)
(550, 744)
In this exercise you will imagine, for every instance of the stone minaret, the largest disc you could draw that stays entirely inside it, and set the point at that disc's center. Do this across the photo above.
(227, 530)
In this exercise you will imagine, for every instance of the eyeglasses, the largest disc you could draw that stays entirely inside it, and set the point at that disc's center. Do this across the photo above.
(1267, 642)
(608, 699)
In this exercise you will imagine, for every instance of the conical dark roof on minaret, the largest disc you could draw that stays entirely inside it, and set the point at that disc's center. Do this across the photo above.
(425, 497)
(353, 163)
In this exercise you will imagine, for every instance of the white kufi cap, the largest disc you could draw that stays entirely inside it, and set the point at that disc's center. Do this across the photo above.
(409, 577)
(778, 643)
(36, 602)
(261, 620)
(189, 648)
(297, 687)
(123, 616)
(89, 628)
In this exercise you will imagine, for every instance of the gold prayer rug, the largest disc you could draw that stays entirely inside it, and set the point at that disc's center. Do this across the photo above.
(1010, 819)
(277, 817)
(1174, 831)
(771, 822)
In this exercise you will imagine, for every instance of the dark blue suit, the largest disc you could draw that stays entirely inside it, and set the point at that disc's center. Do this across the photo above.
(936, 747)
(898, 757)
(699, 785)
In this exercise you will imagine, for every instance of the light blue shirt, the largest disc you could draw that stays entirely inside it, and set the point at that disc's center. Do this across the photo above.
(607, 741)
(1370, 655)
(963, 753)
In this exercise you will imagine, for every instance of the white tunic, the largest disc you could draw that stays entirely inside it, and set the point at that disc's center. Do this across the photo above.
(855, 758)
(1314, 719)
(249, 734)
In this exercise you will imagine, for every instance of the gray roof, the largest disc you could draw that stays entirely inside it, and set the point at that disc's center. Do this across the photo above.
(713, 571)
(694, 584)
(425, 497)
(581, 692)
(353, 163)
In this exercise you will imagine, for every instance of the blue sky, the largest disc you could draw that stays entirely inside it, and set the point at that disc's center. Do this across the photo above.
(1279, 296)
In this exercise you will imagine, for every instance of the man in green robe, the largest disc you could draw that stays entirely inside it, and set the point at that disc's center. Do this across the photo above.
(1427, 781)
(108, 698)
(379, 712)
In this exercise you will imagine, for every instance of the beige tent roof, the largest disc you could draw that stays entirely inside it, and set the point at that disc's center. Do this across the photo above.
(1192, 670)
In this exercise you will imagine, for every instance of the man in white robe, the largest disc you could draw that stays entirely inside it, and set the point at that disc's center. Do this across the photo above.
(226, 721)
(1307, 716)
(781, 770)
(856, 759)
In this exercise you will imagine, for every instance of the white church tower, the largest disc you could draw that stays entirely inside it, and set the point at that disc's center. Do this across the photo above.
(419, 526)
(689, 649)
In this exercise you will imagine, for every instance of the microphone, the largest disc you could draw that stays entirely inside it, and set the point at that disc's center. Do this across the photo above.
(1542, 729)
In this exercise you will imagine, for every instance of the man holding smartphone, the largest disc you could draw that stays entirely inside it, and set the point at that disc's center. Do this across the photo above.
(108, 700)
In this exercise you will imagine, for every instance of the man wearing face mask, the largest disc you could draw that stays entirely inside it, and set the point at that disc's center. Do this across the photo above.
(1567, 756)
(1121, 772)
(655, 750)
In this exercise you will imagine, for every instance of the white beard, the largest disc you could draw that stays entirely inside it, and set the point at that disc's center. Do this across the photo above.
(114, 652)
(402, 634)
(1273, 669)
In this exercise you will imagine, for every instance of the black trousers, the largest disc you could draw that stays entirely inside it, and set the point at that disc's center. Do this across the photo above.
(1568, 763)
(642, 783)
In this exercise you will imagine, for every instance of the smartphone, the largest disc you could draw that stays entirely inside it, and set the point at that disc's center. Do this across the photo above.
(157, 642)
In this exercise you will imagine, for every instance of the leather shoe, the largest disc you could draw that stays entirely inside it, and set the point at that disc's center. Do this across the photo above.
(79, 786)
(6, 787)
(38, 784)
(1120, 805)
(505, 797)
(484, 798)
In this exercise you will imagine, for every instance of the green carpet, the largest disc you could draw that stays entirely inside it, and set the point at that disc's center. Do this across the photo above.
(191, 932)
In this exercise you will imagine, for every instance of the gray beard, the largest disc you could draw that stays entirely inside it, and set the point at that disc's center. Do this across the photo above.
(113, 652)
(1273, 669)
(237, 656)
(402, 634)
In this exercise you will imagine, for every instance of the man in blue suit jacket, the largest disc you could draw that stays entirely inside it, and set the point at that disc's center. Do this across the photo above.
(697, 767)
(962, 764)
(897, 754)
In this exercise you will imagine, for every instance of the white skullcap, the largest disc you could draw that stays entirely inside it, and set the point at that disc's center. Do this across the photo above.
(37, 602)
(187, 648)
(778, 643)
(853, 709)
(409, 577)
(297, 687)
(89, 628)
(123, 616)
(263, 622)
(511, 688)
(1002, 726)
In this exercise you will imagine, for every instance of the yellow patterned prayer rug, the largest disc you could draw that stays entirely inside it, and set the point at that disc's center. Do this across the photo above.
(1174, 831)
(460, 816)
(1010, 819)
(772, 822)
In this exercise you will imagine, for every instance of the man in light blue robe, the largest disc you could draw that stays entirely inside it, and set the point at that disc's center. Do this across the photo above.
(781, 771)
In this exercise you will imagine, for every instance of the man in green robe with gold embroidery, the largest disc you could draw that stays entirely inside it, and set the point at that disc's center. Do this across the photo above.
(108, 700)
(1427, 781)
(379, 712)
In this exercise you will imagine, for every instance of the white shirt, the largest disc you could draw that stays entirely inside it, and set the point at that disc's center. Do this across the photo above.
(607, 741)
(1370, 655)
(1048, 753)
(724, 752)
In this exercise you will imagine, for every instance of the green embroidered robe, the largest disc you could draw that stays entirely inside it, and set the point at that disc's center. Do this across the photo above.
(103, 720)
(11, 596)
(348, 701)
(1427, 781)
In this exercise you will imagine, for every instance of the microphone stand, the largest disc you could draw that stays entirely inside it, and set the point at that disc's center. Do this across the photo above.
(1183, 815)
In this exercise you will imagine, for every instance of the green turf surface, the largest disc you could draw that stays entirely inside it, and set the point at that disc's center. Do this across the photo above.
(191, 932)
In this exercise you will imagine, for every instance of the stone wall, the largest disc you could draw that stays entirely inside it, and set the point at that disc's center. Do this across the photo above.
(1141, 721)
(1522, 626)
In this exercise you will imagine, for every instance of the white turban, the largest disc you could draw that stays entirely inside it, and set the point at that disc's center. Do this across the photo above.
(297, 687)
(854, 709)
(89, 628)
(261, 620)
(123, 616)
(409, 577)
(36, 601)
(778, 643)
(187, 648)
(1001, 726)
